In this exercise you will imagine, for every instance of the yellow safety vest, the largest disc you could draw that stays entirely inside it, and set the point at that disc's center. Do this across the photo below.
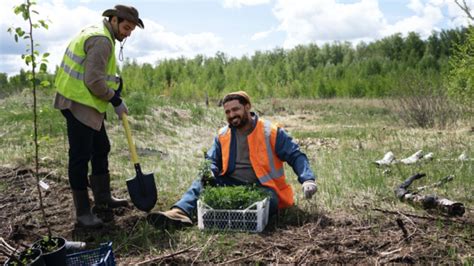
(70, 76)
(263, 158)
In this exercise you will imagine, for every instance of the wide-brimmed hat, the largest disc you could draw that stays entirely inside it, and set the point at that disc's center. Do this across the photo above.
(126, 12)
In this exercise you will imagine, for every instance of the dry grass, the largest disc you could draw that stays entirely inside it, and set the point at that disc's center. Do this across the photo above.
(341, 137)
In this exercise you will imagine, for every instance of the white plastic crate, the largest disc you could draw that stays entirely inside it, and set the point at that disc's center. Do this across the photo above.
(253, 219)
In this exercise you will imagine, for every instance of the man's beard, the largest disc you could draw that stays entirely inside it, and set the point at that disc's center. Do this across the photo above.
(241, 122)
(117, 35)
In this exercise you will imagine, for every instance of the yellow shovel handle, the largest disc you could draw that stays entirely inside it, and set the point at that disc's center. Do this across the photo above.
(131, 145)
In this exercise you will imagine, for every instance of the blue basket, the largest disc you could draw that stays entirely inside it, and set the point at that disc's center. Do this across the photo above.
(100, 256)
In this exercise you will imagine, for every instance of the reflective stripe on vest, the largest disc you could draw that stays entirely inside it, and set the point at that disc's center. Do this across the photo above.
(70, 76)
(79, 60)
(267, 166)
(79, 76)
(273, 173)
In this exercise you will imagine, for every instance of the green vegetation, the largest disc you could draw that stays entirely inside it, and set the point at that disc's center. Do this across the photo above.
(332, 70)
(461, 76)
(307, 90)
(341, 138)
(232, 197)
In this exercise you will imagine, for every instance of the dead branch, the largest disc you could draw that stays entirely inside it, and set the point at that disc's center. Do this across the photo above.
(245, 257)
(165, 256)
(211, 239)
(441, 182)
(447, 220)
(402, 227)
(4, 244)
(464, 8)
(427, 201)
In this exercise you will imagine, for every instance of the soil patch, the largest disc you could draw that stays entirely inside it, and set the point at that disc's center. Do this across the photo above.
(387, 237)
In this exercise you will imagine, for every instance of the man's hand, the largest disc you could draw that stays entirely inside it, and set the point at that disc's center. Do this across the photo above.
(122, 108)
(118, 92)
(309, 188)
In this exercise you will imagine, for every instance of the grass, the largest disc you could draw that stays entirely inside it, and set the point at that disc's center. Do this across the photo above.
(341, 138)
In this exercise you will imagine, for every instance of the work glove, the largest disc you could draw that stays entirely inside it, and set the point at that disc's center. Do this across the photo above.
(120, 87)
(309, 188)
(120, 109)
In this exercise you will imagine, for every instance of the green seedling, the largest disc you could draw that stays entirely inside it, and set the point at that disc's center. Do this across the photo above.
(233, 197)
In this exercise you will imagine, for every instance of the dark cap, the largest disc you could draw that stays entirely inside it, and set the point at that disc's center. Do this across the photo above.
(242, 96)
(126, 12)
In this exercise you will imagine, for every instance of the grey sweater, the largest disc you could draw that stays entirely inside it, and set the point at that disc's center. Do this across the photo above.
(98, 50)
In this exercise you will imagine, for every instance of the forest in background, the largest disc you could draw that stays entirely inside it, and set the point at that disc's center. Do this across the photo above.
(339, 69)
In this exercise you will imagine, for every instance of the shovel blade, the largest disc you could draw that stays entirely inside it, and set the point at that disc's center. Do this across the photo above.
(142, 190)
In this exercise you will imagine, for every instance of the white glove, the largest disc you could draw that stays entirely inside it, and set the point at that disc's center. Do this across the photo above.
(122, 108)
(309, 188)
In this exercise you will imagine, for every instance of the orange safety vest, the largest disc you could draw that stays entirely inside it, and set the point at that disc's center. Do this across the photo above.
(266, 164)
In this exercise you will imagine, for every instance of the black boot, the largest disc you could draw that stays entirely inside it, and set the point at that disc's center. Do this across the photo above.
(100, 185)
(84, 216)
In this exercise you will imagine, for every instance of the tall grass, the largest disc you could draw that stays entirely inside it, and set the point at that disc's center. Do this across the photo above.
(341, 138)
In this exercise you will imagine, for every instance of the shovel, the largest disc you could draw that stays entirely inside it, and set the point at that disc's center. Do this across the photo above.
(142, 187)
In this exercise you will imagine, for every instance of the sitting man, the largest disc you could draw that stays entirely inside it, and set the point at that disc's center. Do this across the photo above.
(248, 151)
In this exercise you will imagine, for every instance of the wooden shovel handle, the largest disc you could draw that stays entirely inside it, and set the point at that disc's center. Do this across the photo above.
(131, 145)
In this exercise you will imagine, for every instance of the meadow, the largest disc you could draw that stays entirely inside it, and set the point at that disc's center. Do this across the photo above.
(342, 138)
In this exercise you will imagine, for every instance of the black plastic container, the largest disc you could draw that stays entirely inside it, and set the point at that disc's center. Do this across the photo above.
(33, 255)
(55, 257)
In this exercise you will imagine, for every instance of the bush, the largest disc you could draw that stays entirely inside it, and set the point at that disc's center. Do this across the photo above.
(461, 76)
(420, 102)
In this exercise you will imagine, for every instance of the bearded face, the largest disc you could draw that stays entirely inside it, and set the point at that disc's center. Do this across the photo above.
(123, 29)
(237, 114)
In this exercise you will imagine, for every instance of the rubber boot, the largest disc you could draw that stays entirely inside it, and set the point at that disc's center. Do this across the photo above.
(100, 185)
(84, 216)
(172, 218)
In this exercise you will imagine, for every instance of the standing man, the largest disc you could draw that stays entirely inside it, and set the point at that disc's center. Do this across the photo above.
(249, 150)
(86, 83)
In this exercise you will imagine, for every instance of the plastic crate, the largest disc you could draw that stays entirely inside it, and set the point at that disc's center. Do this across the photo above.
(253, 219)
(100, 256)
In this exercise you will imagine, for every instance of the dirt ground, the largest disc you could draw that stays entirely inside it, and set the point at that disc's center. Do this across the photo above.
(385, 237)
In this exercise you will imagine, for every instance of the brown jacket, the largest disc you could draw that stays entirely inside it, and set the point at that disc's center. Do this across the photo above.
(98, 50)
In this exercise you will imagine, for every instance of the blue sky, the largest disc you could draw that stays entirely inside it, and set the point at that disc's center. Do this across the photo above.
(175, 28)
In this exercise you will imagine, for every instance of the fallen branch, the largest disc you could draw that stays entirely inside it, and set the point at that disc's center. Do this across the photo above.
(427, 202)
(246, 257)
(4, 244)
(402, 227)
(386, 253)
(441, 182)
(423, 217)
(211, 239)
(165, 256)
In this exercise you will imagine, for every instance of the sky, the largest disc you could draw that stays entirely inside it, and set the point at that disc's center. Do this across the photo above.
(186, 28)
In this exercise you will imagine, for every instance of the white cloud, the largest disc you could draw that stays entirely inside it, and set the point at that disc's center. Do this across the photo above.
(328, 20)
(149, 45)
(156, 43)
(240, 3)
(429, 15)
(54, 40)
(416, 6)
(323, 21)
(455, 15)
(261, 35)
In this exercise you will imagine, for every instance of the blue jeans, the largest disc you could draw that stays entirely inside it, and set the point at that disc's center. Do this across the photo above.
(188, 202)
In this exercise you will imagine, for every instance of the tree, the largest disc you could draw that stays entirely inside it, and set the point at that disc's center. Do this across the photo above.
(461, 76)
(32, 57)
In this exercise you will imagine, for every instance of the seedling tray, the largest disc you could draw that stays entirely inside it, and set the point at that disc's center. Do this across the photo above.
(252, 219)
(102, 256)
